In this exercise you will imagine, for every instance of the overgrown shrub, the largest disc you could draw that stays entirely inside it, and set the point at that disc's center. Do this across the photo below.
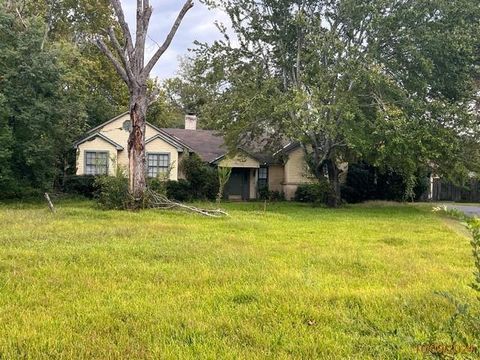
(360, 184)
(21, 191)
(180, 190)
(202, 177)
(112, 191)
(79, 185)
(390, 186)
(421, 186)
(365, 182)
(265, 194)
(158, 185)
(316, 193)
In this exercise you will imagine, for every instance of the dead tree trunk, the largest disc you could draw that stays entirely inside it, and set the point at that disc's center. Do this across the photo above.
(136, 144)
(127, 58)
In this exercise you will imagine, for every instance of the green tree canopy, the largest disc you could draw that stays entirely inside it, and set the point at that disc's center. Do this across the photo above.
(390, 81)
(54, 84)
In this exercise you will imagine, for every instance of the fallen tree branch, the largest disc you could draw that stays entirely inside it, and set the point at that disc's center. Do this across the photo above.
(159, 201)
(50, 204)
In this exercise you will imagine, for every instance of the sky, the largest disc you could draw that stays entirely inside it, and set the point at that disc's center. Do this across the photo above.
(198, 24)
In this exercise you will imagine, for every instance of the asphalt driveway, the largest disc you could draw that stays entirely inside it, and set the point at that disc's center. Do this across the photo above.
(470, 210)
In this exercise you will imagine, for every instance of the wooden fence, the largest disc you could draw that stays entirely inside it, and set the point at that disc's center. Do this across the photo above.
(445, 191)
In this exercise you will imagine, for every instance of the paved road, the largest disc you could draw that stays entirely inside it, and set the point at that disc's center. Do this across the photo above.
(470, 210)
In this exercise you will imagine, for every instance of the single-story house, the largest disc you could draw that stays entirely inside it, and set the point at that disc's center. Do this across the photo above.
(105, 146)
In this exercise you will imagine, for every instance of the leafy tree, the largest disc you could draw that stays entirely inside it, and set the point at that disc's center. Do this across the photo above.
(75, 22)
(54, 85)
(384, 80)
(190, 96)
(42, 110)
(203, 178)
(162, 112)
(6, 139)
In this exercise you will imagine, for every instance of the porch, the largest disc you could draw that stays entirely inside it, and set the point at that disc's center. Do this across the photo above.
(244, 178)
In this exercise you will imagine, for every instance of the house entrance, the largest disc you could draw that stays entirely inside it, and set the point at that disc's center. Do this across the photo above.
(238, 185)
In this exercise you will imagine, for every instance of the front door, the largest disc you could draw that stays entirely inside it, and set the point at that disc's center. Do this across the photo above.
(237, 185)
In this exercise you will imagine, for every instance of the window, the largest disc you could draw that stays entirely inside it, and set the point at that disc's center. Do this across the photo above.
(96, 162)
(157, 164)
(263, 178)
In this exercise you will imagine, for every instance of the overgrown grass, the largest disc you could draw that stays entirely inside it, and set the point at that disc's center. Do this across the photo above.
(291, 282)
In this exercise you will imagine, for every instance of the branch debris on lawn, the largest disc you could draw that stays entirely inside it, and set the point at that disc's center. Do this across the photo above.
(160, 201)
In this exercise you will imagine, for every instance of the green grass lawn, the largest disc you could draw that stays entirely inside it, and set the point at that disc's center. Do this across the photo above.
(291, 282)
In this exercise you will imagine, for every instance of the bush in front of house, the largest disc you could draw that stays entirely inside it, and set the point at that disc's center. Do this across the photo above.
(158, 185)
(265, 194)
(202, 177)
(112, 191)
(79, 185)
(315, 193)
(180, 190)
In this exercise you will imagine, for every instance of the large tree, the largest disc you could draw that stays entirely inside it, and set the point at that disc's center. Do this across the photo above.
(54, 84)
(128, 59)
(42, 100)
(387, 80)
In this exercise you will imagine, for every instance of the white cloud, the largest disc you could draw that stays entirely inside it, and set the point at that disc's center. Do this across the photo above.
(198, 24)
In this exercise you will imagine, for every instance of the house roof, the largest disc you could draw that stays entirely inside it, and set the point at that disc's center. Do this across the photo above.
(287, 148)
(103, 137)
(208, 144)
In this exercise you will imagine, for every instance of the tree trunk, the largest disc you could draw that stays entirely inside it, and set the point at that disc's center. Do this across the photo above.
(136, 145)
(128, 59)
(333, 178)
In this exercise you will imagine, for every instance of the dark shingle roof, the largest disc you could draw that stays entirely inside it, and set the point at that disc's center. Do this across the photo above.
(208, 144)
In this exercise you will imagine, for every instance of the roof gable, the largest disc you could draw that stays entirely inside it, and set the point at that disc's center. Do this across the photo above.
(100, 131)
(102, 125)
(241, 153)
(95, 135)
(240, 159)
(168, 139)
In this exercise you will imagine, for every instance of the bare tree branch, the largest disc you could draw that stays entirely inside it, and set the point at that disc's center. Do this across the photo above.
(118, 66)
(144, 12)
(121, 53)
(159, 201)
(117, 6)
(148, 68)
